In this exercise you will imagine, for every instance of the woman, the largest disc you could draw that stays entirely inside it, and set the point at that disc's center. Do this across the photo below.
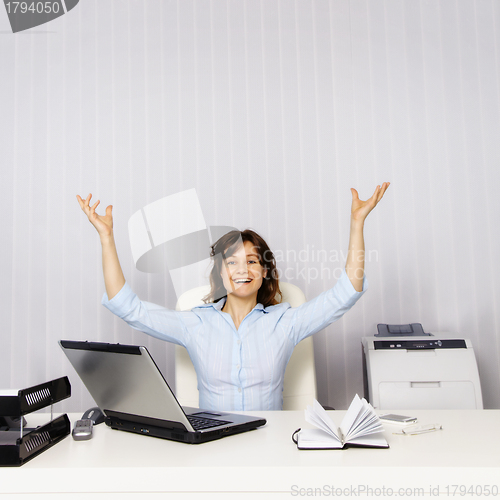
(239, 345)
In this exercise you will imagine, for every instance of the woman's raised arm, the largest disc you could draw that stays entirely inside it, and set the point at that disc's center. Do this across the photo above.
(355, 264)
(113, 274)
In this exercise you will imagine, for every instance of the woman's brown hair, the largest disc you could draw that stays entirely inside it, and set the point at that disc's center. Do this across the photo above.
(269, 293)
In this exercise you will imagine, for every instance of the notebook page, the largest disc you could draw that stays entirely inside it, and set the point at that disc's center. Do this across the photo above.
(371, 427)
(317, 416)
(377, 440)
(350, 417)
(316, 438)
(366, 422)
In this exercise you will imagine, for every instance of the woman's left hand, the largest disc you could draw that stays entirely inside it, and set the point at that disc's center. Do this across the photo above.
(360, 209)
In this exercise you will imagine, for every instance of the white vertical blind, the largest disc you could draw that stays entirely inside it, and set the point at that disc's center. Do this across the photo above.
(271, 110)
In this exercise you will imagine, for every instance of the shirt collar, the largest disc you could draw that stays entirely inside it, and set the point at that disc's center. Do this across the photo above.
(220, 304)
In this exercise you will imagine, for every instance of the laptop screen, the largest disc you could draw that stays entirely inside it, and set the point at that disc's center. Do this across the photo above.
(123, 379)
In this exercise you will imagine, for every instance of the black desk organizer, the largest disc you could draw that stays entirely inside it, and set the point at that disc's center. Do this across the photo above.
(18, 445)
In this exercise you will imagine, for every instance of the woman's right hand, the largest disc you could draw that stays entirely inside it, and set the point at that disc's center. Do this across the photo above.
(103, 223)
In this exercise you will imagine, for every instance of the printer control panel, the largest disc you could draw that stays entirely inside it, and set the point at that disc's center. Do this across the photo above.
(420, 344)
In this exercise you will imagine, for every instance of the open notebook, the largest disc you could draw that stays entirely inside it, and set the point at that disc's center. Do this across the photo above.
(360, 426)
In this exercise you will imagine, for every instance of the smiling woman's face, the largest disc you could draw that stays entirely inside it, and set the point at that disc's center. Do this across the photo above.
(242, 273)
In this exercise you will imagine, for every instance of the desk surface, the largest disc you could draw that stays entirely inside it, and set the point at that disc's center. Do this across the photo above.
(266, 460)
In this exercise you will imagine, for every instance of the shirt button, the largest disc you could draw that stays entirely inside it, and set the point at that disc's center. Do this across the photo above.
(238, 366)
(239, 389)
(239, 342)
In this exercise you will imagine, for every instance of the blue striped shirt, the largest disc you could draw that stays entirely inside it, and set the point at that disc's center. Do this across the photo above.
(244, 368)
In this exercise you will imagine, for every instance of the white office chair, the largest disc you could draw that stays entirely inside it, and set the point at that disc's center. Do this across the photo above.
(300, 376)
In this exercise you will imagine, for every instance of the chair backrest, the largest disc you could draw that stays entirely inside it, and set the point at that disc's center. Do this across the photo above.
(300, 377)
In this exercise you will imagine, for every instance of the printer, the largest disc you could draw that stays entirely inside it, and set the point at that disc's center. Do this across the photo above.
(406, 368)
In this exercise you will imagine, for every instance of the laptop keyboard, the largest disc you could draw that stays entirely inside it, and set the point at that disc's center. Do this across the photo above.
(200, 423)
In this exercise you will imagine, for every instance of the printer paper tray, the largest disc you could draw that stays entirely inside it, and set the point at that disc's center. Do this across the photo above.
(423, 394)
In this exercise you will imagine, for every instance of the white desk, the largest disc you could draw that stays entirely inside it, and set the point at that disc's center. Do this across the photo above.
(266, 462)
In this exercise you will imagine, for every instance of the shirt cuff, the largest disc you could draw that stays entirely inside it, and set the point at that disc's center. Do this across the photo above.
(347, 291)
(120, 302)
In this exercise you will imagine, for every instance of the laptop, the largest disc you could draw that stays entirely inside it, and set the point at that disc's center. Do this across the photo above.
(128, 387)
